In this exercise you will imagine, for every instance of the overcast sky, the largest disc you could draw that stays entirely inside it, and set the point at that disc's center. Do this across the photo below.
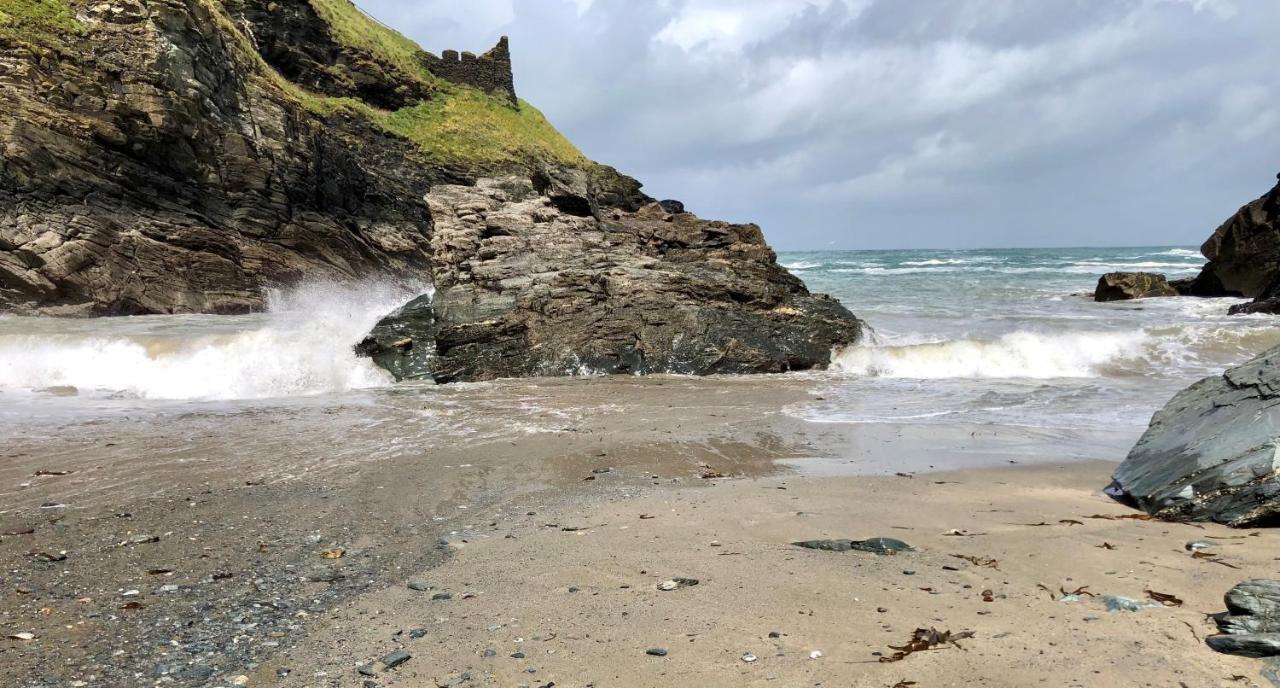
(906, 123)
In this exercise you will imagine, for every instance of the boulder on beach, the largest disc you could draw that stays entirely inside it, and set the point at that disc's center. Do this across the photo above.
(1211, 453)
(1251, 625)
(1123, 286)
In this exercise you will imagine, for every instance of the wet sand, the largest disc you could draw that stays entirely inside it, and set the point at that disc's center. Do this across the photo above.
(544, 553)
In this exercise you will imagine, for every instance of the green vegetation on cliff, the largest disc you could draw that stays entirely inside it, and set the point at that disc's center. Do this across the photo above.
(468, 126)
(458, 124)
(350, 26)
(31, 19)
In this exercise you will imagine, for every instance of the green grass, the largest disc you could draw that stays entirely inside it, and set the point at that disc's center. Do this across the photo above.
(350, 26)
(468, 126)
(38, 19)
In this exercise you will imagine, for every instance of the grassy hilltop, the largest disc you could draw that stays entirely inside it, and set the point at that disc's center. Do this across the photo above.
(456, 125)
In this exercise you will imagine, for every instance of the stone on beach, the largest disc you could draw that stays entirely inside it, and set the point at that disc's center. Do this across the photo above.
(876, 545)
(1211, 453)
(1251, 625)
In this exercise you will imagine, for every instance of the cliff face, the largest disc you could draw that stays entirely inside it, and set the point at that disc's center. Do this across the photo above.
(179, 155)
(155, 165)
(165, 156)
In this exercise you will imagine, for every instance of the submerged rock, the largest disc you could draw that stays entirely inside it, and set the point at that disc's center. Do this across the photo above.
(1211, 453)
(1251, 625)
(553, 275)
(1122, 286)
(876, 545)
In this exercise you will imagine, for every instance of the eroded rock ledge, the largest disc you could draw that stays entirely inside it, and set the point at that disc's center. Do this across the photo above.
(552, 275)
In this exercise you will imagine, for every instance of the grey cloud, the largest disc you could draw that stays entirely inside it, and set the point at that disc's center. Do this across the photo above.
(904, 123)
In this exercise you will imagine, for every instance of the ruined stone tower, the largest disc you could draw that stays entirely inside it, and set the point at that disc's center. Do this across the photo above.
(489, 72)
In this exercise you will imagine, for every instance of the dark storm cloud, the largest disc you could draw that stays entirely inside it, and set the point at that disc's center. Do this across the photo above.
(903, 123)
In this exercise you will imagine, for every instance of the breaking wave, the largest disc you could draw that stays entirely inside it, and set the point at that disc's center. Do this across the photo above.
(300, 346)
(1192, 350)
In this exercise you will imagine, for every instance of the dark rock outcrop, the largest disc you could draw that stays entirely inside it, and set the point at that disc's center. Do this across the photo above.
(1251, 625)
(159, 166)
(542, 277)
(1244, 253)
(1267, 302)
(1122, 286)
(1213, 452)
(1244, 257)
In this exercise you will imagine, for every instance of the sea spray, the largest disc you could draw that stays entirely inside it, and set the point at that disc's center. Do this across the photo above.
(302, 345)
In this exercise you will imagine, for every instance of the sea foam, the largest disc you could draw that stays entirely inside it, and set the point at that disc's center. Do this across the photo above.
(301, 346)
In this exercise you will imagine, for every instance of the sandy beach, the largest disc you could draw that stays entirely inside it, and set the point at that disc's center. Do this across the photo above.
(535, 559)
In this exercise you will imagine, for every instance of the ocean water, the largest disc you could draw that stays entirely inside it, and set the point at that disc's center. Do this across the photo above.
(1013, 337)
(998, 340)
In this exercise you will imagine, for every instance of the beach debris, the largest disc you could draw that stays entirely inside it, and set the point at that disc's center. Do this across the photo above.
(335, 553)
(23, 636)
(955, 532)
(875, 545)
(646, 517)
(1123, 517)
(656, 652)
(923, 639)
(601, 471)
(48, 556)
(1064, 596)
(988, 596)
(1105, 545)
(1117, 603)
(418, 586)
(979, 561)
(816, 654)
(46, 473)
(1212, 557)
(1164, 598)
(676, 584)
(159, 572)
(905, 684)
(712, 475)
(132, 606)
(20, 531)
(1200, 545)
(748, 657)
(417, 633)
(442, 596)
(395, 659)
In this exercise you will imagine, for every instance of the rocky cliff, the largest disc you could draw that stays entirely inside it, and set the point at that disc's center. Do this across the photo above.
(1244, 256)
(168, 156)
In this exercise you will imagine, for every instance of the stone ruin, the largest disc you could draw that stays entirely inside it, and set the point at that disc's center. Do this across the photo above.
(489, 72)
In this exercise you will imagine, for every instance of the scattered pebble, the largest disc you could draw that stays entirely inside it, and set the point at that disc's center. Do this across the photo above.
(656, 652)
(396, 658)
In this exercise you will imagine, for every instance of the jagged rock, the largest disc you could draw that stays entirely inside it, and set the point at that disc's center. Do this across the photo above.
(1251, 626)
(541, 276)
(1122, 286)
(1211, 453)
(1244, 253)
